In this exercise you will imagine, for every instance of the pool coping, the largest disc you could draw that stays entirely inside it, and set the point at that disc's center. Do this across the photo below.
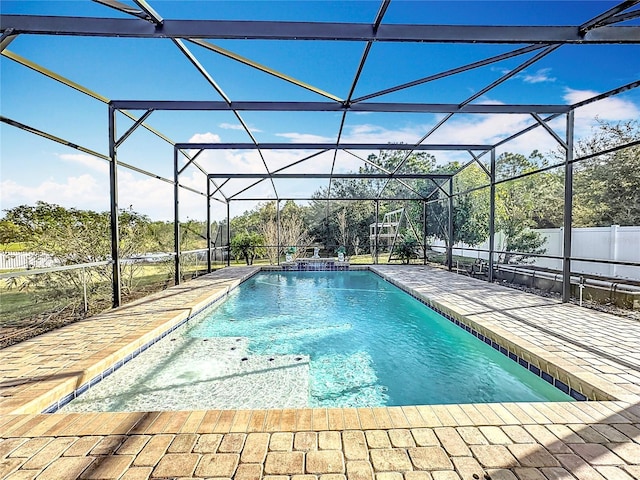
(52, 394)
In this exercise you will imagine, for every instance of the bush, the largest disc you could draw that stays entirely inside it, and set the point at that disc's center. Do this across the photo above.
(406, 250)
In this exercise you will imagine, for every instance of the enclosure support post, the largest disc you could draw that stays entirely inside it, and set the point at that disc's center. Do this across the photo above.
(113, 189)
(208, 225)
(450, 229)
(278, 231)
(424, 233)
(84, 291)
(176, 217)
(492, 214)
(568, 207)
(375, 237)
(228, 234)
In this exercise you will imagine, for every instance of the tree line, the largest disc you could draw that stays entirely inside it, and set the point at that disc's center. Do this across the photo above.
(606, 191)
(529, 196)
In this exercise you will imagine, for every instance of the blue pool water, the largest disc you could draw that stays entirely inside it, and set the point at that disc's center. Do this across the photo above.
(315, 339)
(368, 342)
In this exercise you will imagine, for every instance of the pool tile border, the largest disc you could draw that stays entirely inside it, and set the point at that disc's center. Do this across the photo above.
(314, 267)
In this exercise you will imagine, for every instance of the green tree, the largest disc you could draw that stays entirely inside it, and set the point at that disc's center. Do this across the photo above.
(516, 200)
(248, 246)
(10, 232)
(607, 187)
(253, 220)
(327, 220)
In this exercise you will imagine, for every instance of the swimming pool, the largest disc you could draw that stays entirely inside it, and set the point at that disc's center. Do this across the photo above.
(330, 339)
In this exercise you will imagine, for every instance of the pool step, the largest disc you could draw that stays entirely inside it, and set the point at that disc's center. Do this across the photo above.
(207, 373)
(231, 347)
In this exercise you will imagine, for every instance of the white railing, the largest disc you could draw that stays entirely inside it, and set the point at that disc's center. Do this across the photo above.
(83, 266)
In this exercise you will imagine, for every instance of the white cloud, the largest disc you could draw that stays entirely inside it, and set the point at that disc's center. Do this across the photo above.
(85, 160)
(488, 101)
(540, 76)
(207, 137)
(611, 108)
(489, 130)
(236, 126)
(231, 126)
(305, 137)
(84, 191)
(502, 70)
(369, 133)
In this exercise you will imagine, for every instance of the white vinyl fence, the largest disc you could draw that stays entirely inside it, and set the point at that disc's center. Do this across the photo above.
(25, 260)
(601, 243)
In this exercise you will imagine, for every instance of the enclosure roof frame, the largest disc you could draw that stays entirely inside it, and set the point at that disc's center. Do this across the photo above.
(540, 40)
(329, 31)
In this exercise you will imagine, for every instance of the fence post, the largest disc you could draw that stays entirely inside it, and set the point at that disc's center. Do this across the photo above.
(228, 234)
(613, 249)
(424, 232)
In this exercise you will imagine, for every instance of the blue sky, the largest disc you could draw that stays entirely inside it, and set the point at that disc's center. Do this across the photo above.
(34, 169)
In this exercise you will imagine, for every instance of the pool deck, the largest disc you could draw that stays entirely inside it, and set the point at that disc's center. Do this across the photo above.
(595, 354)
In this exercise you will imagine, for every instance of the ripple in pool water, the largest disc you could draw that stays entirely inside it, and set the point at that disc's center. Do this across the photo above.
(330, 339)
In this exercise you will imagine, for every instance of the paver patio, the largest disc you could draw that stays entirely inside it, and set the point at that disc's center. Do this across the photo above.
(595, 353)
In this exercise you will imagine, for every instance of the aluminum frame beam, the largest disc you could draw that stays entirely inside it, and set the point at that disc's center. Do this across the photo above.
(152, 15)
(6, 38)
(278, 30)
(114, 212)
(331, 146)
(621, 17)
(353, 176)
(263, 68)
(451, 72)
(324, 199)
(124, 8)
(382, 107)
(550, 130)
(603, 17)
(567, 222)
(363, 60)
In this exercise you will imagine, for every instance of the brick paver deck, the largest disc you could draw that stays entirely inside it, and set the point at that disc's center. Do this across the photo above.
(594, 352)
